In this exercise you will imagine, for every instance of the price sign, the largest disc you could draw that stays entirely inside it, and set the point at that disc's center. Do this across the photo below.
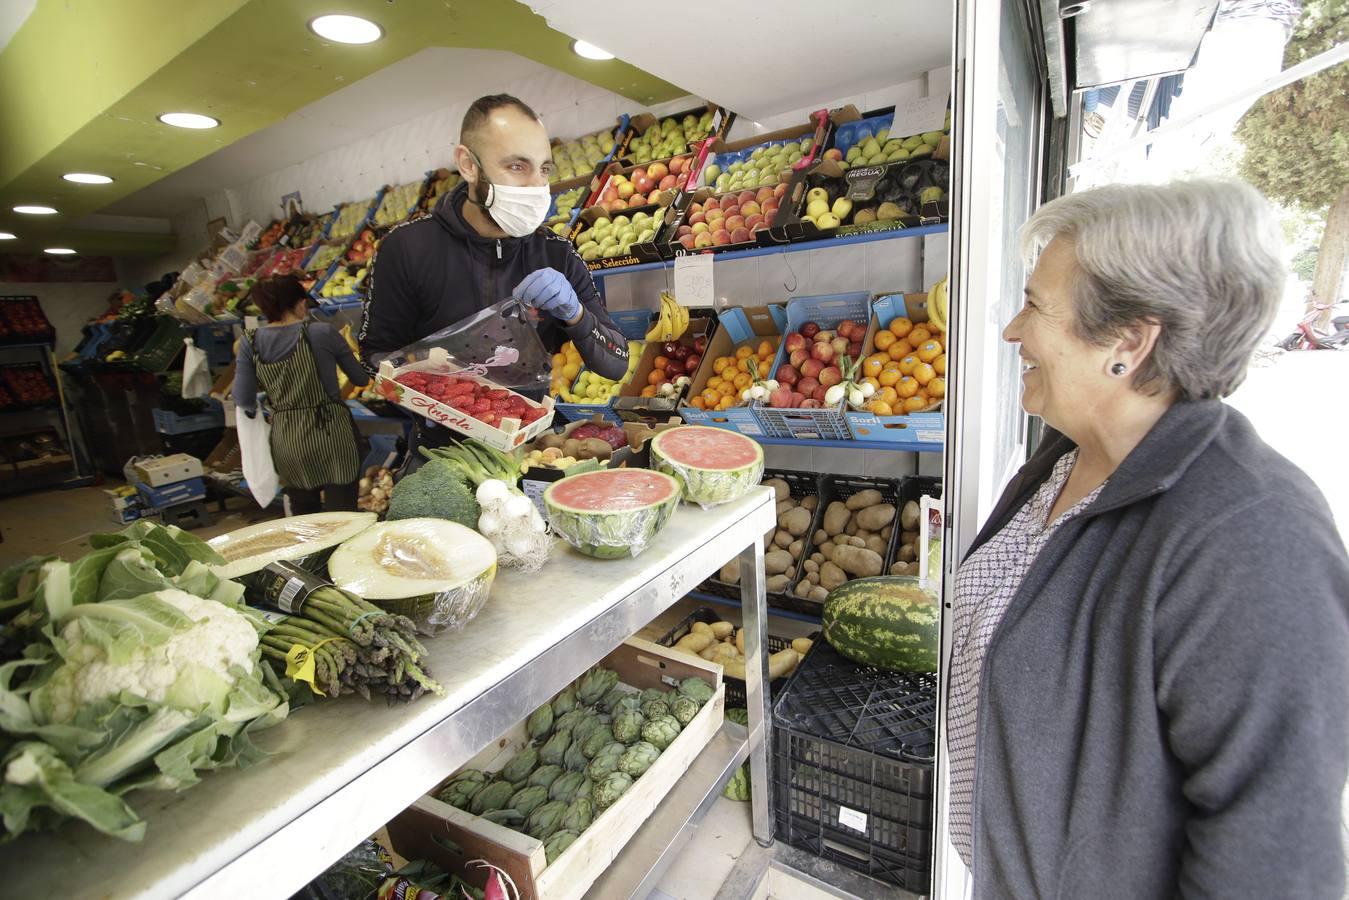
(693, 279)
(919, 115)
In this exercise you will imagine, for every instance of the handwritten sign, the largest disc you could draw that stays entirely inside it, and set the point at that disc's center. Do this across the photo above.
(919, 115)
(693, 279)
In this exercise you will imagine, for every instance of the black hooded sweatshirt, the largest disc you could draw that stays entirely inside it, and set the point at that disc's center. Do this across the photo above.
(436, 270)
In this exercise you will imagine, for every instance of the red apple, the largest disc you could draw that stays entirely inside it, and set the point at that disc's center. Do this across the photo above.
(770, 216)
(770, 206)
(732, 210)
(780, 190)
(714, 214)
(669, 182)
(798, 357)
(642, 182)
(734, 221)
(677, 165)
(812, 368)
(840, 345)
(637, 200)
(833, 153)
(807, 384)
(830, 376)
(825, 337)
(682, 352)
(712, 203)
(721, 238)
(797, 399)
(810, 329)
(845, 329)
(787, 374)
(700, 344)
(657, 171)
(795, 341)
(854, 349)
(819, 394)
(740, 235)
(674, 368)
(823, 352)
(754, 222)
(695, 218)
(688, 240)
(683, 230)
(691, 364)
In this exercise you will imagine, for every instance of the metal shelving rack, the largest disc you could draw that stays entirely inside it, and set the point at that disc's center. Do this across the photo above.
(34, 418)
(340, 770)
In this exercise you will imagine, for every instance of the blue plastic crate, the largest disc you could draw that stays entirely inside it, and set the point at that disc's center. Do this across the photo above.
(743, 419)
(172, 493)
(826, 310)
(634, 323)
(922, 428)
(169, 422)
(726, 158)
(217, 341)
(583, 412)
(849, 133)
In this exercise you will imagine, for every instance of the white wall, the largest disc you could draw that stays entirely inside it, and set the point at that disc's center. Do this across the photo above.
(68, 306)
(189, 226)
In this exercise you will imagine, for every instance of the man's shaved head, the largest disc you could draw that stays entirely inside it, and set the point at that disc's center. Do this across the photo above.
(478, 115)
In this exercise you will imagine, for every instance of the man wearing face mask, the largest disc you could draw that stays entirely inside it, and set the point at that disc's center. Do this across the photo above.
(483, 243)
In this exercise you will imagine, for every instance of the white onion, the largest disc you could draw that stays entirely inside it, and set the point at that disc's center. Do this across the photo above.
(489, 524)
(834, 394)
(517, 507)
(491, 492)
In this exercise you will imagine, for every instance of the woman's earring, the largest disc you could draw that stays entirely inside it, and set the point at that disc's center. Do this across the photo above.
(1118, 369)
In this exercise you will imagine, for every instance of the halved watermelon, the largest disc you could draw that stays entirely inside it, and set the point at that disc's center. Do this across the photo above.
(712, 464)
(611, 513)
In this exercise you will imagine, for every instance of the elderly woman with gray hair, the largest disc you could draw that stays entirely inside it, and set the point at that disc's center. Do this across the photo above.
(1149, 683)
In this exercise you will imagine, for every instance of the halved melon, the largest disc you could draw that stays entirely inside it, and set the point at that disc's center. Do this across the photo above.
(713, 465)
(611, 513)
(306, 541)
(436, 572)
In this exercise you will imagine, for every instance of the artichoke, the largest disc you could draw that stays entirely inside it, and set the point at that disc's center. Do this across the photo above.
(542, 822)
(696, 690)
(459, 792)
(654, 694)
(583, 728)
(654, 709)
(628, 726)
(492, 797)
(684, 709)
(540, 723)
(567, 721)
(603, 766)
(607, 792)
(521, 764)
(638, 758)
(738, 715)
(556, 843)
(507, 817)
(544, 776)
(627, 702)
(661, 731)
(580, 813)
(566, 786)
(554, 751)
(575, 758)
(595, 684)
(609, 702)
(564, 702)
(528, 799)
(597, 739)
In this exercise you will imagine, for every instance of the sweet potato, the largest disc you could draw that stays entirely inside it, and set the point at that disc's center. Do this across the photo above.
(863, 499)
(858, 561)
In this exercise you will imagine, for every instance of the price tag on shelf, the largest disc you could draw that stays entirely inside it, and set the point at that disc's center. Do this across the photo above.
(693, 279)
(851, 818)
(919, 115)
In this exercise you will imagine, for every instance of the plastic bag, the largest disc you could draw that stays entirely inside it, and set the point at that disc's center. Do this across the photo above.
(729, 465)
(196, 372)
(500, 343)
(356, 876)
(611, 513)
(255, 446)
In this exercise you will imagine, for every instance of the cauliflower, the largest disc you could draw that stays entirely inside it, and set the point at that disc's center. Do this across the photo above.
(169, 647)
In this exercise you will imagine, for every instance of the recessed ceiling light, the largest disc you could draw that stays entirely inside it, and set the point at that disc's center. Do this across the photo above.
(86, 178)
(346, 29)
(188, 120)
(35, 210)
(6, 236)
(59, 251)
(590, 51)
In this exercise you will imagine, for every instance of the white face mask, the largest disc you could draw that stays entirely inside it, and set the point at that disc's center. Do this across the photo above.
(518, 210)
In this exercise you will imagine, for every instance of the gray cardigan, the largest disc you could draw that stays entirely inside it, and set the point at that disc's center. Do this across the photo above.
(1165, 705)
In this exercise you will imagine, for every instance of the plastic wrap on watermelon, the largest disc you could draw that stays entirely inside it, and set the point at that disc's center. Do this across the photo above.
(712, 465)
(611, 514)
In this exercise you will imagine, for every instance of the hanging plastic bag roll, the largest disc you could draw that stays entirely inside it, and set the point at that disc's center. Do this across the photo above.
(196, 372)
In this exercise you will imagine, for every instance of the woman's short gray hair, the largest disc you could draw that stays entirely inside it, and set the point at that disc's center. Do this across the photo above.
(1201, 258)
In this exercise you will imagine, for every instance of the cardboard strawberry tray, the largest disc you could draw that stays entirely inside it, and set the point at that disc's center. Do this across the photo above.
(465, 401)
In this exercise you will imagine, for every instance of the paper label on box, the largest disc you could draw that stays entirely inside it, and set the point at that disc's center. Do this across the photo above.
(534, 491)
(693, 279)
(932, 437)
(851, 818)
(919, 115)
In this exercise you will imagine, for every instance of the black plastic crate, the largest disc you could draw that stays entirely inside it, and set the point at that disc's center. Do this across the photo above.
(841, 487)
(735, 688)
(853, 766)
(912, 487)
(802, 484)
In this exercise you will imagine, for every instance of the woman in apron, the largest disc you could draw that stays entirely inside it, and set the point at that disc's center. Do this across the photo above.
(294, 362)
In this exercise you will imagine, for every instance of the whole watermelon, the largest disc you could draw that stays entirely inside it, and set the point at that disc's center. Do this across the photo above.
(890, 622)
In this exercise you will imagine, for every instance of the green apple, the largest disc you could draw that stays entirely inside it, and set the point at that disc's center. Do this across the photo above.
(817, 208)
(842, 206)
(817, 193)
(826, 221)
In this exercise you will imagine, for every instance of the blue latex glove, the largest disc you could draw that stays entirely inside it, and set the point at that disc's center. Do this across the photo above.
(548, 290)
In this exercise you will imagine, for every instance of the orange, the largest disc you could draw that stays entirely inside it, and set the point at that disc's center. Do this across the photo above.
(715, 382)
(710, 395)
(900, 349)
(880, 408)
(901, 327)
(728, 390)
(873, 382)
(936, 388)
(720, 363)
(656, 377)
(765, 348)
(765, 367)
(908, 364)
(872, 367)
(929, 351)
(923, 373)
(697, 403)
(661, 362)
(884, 339)
(907, 387)
(887, 395)
(919, 334)
(890, 377)
(744, 352)
(914, 404)
(939, 365)
(742, 381)
(726, 403)
(649, 391)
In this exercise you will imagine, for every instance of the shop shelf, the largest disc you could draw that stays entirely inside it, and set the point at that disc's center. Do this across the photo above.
(341, 769)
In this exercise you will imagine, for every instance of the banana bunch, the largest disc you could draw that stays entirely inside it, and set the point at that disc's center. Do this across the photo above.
(937, 305)
(672, 322)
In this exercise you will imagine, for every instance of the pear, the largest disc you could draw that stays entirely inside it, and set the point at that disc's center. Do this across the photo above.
(932, 138)
(898, 155)
(892, 146)
(877, 160)
(588, 245)
(921, 151)
(853, 154)
(864, 216)
(931, 195)
(817, 193)
(713, 173)
(913, 141)
(817, 208)
(621, 221)
(871, 148)
(842, 206)
(883, 134)
(591, 252)
(889, 212)
(648, 234)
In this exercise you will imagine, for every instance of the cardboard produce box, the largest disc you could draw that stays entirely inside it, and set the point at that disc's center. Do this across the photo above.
(630, 404)
(738, 326)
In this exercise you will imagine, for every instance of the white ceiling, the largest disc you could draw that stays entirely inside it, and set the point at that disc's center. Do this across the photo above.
(413, 87)
(759, 59)
(13, 13)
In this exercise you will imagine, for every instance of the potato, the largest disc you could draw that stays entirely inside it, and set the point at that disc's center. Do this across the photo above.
(811, 565)
(782, 539)
(776, 584)
(810, 503)
(904, 568)
(909, 516)
(819, 537)
(796, 522)
(818, 594)
(711, 652)
(723, 630)
(689, 653)
(835, 519)
(813, 577)
(730, 573)
(803, 590)
(908, 537)
(874, 518)
(876, 545)
(782, 662)
(907, 553)
(733, 668)
(887, 531)
(852, 528)
(832, 576)
(740, 639)
(780, 488)
(796, 548)
(695, 642)
(785, 506)
(858, 561)
(855, 541)
(702, 628)
(828, 549)
(777, 562)
(818, 558)
(863, 499)
(802, 645)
